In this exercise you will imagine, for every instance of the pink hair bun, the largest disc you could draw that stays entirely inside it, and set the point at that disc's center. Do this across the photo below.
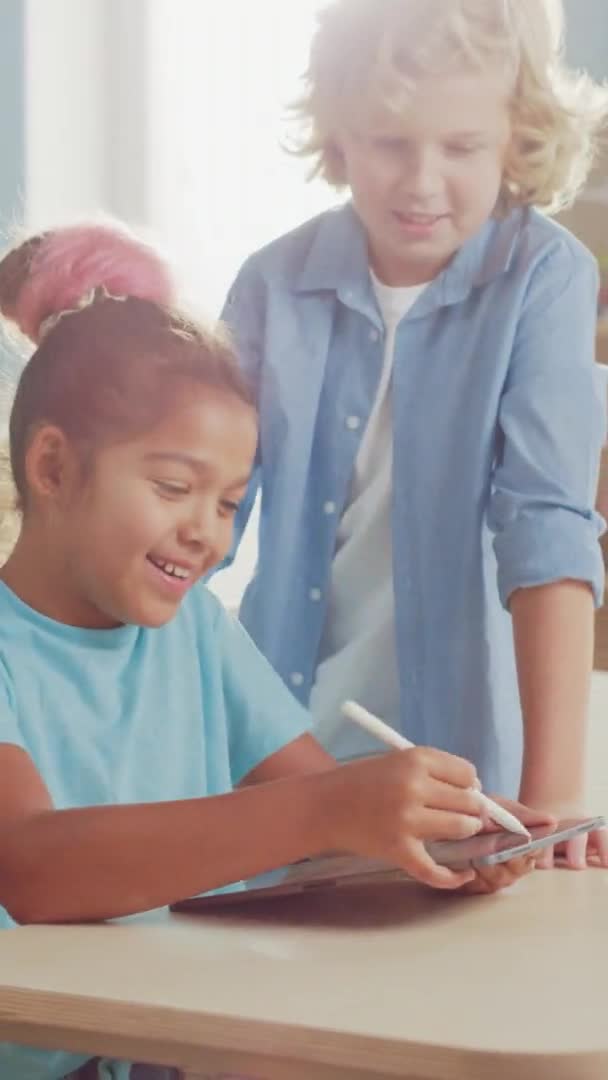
(71, 261)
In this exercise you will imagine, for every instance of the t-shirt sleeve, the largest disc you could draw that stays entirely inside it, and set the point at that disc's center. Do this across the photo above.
(261, 713)
(9, 727)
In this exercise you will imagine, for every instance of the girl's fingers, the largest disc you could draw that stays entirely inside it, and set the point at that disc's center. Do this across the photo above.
(490, 879)
(443, 825)
(421, 866)
(447, 767)
(459, 800)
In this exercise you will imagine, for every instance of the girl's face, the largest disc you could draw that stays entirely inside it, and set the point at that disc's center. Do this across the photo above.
(156, 514)
(425, 183)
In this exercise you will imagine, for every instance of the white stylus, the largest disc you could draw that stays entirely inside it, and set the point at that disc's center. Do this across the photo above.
(375, 726)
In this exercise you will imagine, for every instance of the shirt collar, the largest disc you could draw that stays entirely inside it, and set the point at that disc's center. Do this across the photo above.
(337, 261)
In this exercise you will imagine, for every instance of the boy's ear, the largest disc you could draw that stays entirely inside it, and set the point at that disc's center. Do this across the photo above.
(49, 464)
(334, 157)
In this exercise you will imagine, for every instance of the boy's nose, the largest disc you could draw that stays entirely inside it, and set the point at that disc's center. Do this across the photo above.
(421, 178)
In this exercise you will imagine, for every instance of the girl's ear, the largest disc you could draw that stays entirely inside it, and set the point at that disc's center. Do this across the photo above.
(50, 465)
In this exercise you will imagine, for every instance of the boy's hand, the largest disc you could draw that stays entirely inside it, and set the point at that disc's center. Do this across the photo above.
(579, 852)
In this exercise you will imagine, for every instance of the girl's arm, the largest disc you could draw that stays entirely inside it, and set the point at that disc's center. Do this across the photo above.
(303, 755)
(106, 861)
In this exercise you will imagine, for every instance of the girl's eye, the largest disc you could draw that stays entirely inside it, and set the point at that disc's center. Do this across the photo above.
(229, 506)
(171, 488)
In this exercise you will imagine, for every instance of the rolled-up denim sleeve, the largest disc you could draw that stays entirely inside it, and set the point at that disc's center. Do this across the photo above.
(552, 426)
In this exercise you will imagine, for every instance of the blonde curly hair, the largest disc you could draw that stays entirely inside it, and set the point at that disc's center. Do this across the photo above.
(367, 56)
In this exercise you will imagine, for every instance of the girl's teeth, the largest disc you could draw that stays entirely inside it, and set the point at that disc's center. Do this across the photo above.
(172, 570)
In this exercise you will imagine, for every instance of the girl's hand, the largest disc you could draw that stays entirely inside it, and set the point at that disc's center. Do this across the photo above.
(490, 879)
(387, 807)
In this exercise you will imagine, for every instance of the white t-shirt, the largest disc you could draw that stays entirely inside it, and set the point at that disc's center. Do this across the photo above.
(357, 657)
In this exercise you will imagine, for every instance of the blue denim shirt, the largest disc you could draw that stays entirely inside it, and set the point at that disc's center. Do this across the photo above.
(498, 426)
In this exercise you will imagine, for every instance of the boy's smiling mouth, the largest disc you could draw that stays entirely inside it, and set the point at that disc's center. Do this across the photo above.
(412, 218)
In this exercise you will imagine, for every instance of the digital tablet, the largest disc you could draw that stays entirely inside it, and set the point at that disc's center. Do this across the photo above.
(340, 871)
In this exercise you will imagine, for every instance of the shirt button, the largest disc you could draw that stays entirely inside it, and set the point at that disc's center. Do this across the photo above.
(296, 678)
(374, 335)
(315, 594)
(329, 507)
(353, 423)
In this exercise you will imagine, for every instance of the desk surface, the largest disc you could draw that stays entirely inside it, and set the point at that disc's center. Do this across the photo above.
(394, 982)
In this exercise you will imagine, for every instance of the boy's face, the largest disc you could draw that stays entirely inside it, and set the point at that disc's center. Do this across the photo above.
(426, 182)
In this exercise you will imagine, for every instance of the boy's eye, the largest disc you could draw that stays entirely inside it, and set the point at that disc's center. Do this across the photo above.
(390, 145)
(463, 149)
(171, 489)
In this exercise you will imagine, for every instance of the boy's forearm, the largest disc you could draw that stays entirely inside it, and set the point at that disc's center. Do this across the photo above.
(103, 862)
(553, 628)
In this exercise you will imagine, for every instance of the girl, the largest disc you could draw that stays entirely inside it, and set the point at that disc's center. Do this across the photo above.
(430, 422)
(131, 705)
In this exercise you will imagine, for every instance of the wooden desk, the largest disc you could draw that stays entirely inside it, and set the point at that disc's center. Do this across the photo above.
(399, 983)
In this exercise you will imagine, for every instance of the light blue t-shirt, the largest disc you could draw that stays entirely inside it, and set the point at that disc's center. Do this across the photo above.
(135, 715)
